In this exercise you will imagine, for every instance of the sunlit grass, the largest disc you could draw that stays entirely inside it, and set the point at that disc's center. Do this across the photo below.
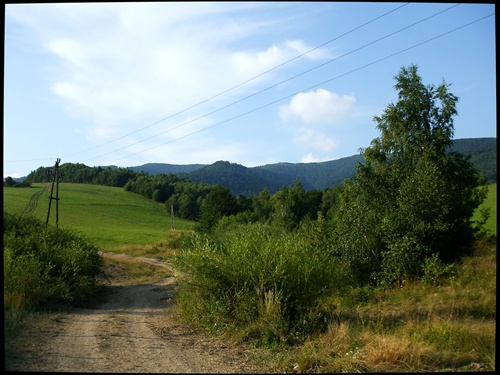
(490, 203)
(109, 216)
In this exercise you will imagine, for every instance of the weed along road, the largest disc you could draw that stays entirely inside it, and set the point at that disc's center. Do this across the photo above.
(132, 331)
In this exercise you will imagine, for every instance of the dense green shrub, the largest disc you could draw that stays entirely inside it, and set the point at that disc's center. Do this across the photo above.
(44, 264)
(256, 277)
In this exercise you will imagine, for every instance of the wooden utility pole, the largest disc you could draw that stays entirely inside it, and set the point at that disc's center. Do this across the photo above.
(173, 218)
(55, 180)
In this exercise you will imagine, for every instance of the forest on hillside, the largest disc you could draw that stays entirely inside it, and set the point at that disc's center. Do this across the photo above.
(249, 189)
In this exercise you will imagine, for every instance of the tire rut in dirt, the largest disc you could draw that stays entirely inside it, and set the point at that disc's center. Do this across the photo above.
(33, 203)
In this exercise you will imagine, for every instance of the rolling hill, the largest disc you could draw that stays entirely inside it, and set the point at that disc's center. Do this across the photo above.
(246, 181)
(316, 176)
(109, 216)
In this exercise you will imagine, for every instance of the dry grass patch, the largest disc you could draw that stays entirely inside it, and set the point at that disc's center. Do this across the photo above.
(393, 353)
(129, 271)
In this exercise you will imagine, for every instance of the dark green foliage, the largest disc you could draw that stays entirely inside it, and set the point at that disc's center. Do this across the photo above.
(43, 264)
(317, 176)
(187, 199)
(238, 179)
(10, 182)
(482, 152)
(163, 168)
(159, 187)
(80, 173)
(291, 205)
(314, 176)
(217, 204)
(262, 206)
(412, 198)
(251, 181)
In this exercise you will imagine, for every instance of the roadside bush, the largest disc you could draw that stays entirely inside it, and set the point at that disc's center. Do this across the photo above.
(43, 264)
(257, 278)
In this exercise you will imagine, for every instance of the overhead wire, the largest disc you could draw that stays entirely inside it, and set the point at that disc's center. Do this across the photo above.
(268, 88)
(309, 88)
(277, 84)
(242, 83)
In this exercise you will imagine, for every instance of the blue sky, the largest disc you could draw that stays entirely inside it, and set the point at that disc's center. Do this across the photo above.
(251, 83)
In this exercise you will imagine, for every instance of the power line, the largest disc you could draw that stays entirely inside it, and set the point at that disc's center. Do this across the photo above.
(371, 43)
(311, 87)
(242, 83)
(279, 83)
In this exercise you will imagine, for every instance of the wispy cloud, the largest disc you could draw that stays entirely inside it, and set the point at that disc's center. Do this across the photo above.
(147, 60)
(311, 138)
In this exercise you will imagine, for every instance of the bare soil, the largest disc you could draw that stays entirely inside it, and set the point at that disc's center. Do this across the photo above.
(133, 330)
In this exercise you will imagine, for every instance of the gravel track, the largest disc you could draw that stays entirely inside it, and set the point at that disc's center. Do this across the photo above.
(133, 331)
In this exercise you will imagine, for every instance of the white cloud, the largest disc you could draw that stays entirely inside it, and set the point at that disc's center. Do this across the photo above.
(310, 138)
(310, 158)
(318, 107)
(120, 67)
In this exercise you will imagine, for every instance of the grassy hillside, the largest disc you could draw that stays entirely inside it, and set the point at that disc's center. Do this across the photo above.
(109, 216)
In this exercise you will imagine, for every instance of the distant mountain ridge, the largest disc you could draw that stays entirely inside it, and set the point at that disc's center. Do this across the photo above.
(155, 168)
(247, 181)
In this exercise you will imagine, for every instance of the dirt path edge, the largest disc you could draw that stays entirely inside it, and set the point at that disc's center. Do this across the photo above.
(133, 331)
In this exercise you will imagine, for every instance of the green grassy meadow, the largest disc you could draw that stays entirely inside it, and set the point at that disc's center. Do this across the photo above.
(109, 216)
(491, 203)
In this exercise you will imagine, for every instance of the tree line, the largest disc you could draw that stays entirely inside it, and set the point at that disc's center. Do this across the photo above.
(201, 202)
(289, 205)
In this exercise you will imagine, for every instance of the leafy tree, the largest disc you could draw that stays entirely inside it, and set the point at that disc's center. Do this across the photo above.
(411, 199)
(262, 206)
(217, 204)
(9, 181)
(288, 206)
(188, 207)
(329, 199)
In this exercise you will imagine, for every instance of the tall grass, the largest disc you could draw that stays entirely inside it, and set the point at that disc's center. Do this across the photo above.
(260, 284)
(259, 280)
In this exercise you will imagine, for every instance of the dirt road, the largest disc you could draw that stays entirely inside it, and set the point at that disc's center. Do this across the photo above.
(133, 331)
